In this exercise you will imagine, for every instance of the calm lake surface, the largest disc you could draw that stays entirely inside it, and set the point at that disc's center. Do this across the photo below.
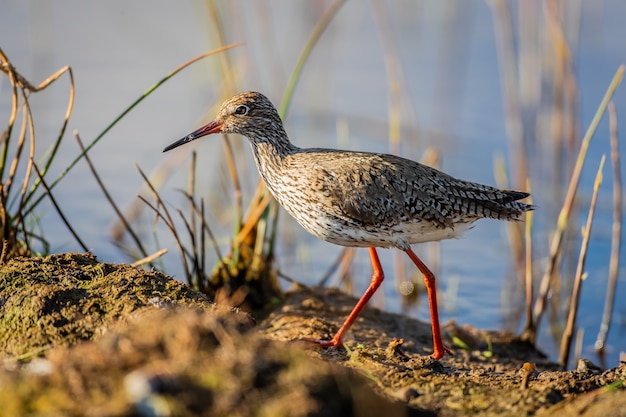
(436, 64)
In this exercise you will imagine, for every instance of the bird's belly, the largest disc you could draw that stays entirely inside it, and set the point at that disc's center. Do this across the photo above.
(346, 233)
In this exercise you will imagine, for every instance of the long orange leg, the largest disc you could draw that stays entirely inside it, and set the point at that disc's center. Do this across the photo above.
(377, 279)
(429, 279)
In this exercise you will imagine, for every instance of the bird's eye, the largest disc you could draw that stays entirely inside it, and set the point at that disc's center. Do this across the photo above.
(242, 110)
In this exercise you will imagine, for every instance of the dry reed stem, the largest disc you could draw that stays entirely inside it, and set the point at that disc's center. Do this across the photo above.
(344, 274)
(514, 124)
(227, 67)
(568, 333)
(505, 45)
(616, 233)
(58, 209)
(318, 30)
(578, 345)
(28, 190)
(19, 82)
(107, 195)
(147, 93)
(396, 79)
(191, 186)
(135, 208)
(256, 212)
(8, 69)
(199, 211)
(204, 225)
(528, 332)
(232, 170)
(196, 246)
(24, 194)
(194, 251)
(18, 153)
(28, 124)
(515, 231)
(3, 254)
(333, 267)
(169, 223)
(150, 258)
(557, 237)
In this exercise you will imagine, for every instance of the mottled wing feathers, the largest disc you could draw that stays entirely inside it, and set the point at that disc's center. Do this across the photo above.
(394, 190)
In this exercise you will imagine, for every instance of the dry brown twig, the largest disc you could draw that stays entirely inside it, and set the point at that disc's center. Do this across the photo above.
(12, 225)
(149, 259)
(557, 237)
(568, 333)
(616, 234)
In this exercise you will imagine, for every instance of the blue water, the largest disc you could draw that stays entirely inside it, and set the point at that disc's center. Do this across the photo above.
(451, 100)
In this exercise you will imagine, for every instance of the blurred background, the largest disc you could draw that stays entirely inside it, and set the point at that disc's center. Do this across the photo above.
(499, 91)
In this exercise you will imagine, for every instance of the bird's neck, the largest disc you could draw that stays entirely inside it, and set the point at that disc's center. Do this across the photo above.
(270, 156)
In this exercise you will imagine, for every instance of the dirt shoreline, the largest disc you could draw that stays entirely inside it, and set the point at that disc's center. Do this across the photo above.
(80, 337)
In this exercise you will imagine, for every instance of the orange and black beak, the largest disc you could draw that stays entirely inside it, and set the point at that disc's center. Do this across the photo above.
(209, 128)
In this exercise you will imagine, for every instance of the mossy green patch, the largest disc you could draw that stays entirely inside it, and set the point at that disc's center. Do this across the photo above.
(61, 299)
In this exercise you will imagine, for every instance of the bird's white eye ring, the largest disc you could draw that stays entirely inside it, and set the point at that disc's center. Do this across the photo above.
(242, 110)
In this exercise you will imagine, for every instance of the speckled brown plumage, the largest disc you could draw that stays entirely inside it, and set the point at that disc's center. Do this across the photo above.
(358, 198)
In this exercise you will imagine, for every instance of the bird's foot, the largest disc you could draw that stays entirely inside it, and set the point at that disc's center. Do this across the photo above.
(440, 351)
(312, 343)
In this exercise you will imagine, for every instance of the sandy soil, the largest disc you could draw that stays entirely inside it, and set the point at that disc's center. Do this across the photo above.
(80, 337)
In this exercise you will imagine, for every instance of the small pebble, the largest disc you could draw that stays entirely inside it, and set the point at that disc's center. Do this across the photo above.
(585, 365)
(407, 394)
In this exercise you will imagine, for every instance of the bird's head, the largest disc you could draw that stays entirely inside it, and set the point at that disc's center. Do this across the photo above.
(249, 114)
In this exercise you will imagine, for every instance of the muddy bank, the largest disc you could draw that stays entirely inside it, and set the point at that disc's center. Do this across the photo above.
(80, 337)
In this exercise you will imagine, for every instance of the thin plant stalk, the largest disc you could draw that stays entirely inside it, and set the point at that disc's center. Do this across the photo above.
(191, 185)
(527, 333)
(67, 169)
(18, 153)
(198, 240)
(3, 254)
(150, 258)
(18, 81)
(29, 169)
(578, 344)
(232, 169)
(224, 60)
(253, 218)
(195, 258)
(58, 209)
(169, 222)
(170, 225)
(616, 234)
(203, 223)
(503, 29)
(396, 80)
(335, 265)
(319, 29)
(198, 253)
(12, 74)
(66, 118)
(568, 333)
(516, 235)
(107, 195)
(557, 238)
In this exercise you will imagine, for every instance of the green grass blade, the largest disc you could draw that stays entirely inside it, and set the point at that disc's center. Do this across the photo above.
(321, 26)
(124, 113)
